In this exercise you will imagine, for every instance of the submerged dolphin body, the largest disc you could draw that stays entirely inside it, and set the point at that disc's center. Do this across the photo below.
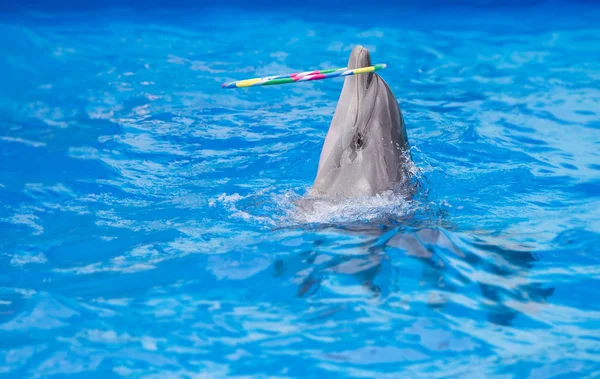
(366, 150)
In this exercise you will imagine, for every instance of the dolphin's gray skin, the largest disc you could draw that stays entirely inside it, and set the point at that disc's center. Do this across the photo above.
(366, 148)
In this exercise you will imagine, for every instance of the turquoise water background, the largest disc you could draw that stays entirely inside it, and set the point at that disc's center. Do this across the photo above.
(147, 217)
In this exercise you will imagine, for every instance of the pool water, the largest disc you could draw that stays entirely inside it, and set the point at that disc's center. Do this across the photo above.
(148, 218)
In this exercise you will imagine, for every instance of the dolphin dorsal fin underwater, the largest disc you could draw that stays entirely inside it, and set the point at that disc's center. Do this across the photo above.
(366, 150)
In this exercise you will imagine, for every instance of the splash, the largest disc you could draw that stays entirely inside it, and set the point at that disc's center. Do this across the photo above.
(292, 208)
(384, 206)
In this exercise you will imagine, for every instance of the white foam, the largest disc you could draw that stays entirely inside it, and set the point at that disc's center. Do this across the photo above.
(364, 208)
(295, 207)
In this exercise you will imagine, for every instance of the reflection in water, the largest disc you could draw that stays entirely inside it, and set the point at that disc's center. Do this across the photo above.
(499, 273)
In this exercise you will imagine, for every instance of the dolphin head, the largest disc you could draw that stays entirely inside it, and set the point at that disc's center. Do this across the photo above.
(362, 153)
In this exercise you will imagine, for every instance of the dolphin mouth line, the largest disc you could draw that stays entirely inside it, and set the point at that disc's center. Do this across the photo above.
(356, 89)
(357, 130)
(356, 92)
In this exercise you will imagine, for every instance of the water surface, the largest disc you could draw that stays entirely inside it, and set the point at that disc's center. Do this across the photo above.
(147, 217)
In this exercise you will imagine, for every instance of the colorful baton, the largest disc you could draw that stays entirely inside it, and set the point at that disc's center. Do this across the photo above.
(302, 76)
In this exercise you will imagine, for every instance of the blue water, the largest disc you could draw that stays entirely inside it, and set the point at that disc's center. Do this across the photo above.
(148, 224)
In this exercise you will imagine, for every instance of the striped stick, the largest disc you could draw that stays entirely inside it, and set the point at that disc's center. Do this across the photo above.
(302, 76)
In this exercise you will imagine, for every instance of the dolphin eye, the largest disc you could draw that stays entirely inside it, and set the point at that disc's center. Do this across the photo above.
(359, 141)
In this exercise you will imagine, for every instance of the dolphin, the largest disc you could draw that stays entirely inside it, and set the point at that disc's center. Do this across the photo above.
(366, 150)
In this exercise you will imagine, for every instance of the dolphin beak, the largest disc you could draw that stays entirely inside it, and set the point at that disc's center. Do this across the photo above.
(364, 57)
(360, 57)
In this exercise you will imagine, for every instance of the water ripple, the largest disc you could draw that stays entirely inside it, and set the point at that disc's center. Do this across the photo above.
(153, 224)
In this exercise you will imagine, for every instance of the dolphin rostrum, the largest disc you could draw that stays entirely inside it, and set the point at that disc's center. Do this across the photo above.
(366, 150)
